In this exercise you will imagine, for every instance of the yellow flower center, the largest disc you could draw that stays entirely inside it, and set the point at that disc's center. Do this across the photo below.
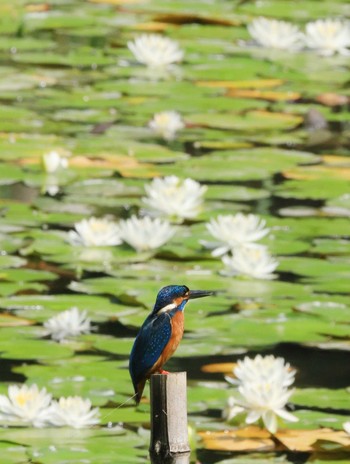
(23, 397)
(100, 226)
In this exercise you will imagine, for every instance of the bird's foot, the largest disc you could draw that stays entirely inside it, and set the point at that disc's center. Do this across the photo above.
(161, 371)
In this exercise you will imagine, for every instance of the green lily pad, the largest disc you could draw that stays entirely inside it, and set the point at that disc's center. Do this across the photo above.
(314, 188)
(257, 164)
(331, 247)
(83, 57)
(91, 377)
(322, 398)
(30, 348)
(13, 453)
(8, 261)
(48, 445)
(14, 44)
(42, 307)
(252, 120)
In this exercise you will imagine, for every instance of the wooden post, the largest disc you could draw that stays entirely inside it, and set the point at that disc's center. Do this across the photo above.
(169, 434)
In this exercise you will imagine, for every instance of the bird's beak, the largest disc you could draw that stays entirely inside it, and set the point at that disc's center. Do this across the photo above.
(198, 294)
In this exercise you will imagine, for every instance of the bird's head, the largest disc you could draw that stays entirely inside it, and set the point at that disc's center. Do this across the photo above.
(176, 296)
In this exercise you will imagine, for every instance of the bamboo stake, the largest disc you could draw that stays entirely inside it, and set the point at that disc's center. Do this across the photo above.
(169, 434)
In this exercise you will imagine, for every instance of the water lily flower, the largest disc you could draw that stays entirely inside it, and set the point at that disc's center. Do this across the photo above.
(261, 396)
(267, 401)
(232, 409)
(271, 33)
(346, 427)
(146, 233)
(166, 124)
(53, 161)
(95, 232)
(252, 262)
(73, 411)
(50, 185)
(235, 231)
(25, 404)
(173, 197)
(155, 51)
(328, 36)
(68, 324)
(264, 368)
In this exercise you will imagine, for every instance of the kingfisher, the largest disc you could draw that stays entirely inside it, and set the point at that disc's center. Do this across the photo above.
(160, 334)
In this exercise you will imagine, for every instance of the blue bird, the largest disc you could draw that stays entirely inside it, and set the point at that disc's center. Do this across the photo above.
(160, 334)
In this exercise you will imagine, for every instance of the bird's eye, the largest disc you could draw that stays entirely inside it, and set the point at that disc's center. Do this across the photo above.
(186, 294)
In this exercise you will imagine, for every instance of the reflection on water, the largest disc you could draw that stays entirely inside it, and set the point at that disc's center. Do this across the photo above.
(19, 192)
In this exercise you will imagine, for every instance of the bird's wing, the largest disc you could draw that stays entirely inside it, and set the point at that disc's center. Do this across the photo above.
(149, 345)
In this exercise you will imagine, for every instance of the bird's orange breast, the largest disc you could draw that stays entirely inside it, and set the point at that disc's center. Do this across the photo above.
(177, 330)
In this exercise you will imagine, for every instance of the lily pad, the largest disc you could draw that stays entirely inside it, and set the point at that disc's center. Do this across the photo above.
(30, 347)
(238, 165)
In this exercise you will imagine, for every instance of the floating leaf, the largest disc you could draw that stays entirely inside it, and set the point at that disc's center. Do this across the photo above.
(248, 84)
(248, 439)
(322, 398)
(8, 320)
(253, 438)
(264, 95)
(222, 368)
(308, 440)
(30, 348)
(252, 120)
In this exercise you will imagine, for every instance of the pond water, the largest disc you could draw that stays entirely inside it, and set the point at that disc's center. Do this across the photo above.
(265, 130)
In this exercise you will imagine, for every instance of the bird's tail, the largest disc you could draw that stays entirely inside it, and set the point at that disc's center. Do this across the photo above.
(139, 390)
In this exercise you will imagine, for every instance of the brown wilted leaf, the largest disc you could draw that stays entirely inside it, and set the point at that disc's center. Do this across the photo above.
(8, 320)
(317, 172)
(253, 438)
(308, 440)
(117, 2)
(336, 160)
(37, 8)
(332, 99)
(263, 95)
(249, 84)
(151, 27)
(223, 368)
(248, 439)
(127, 166)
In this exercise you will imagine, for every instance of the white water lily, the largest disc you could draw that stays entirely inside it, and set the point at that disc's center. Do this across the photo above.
(235, 231)
(73, 411)
(25, 404)
(95, 232)
(53, 161)
(174, 197)
(155, 51)
(67, 324)
(252, 262)
(146, 233)
(50, 185)
(328, 36)
(260, 395)
(267, 401)
(232, 409)
(264, 368)
(271, 33)
(166, 124)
